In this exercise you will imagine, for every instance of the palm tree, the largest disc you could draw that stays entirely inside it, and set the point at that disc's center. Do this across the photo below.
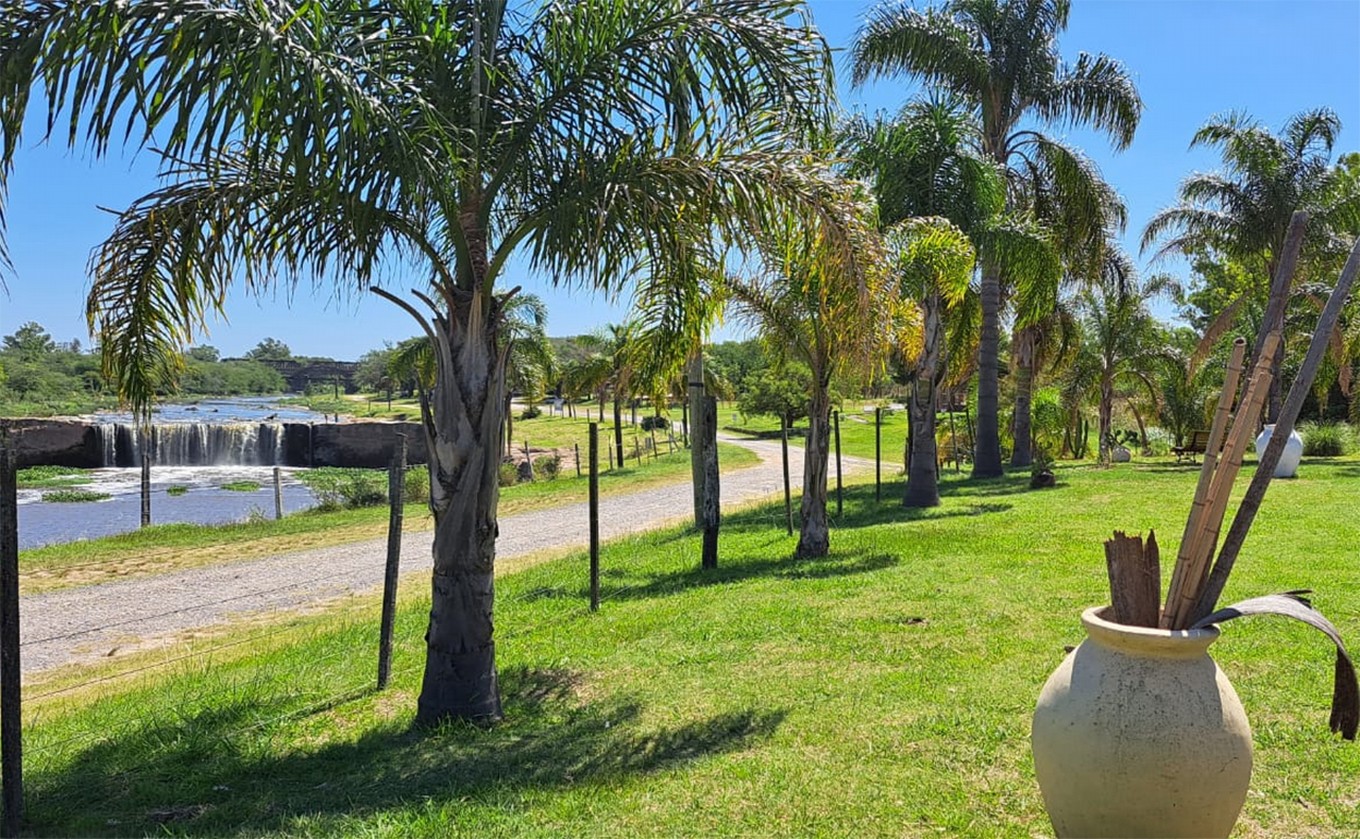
(531, 363)
(1122, 341)
(925, 164)
(1002, 57)
(619, 347)
(830, 307)
(933, 261)
(1243, 212)
(333, 140)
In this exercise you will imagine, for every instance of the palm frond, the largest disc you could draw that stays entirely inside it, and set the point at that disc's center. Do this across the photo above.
(896, 39)
(1097, 91)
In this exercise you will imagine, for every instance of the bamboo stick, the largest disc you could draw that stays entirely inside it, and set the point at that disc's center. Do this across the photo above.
(1265, 470)
(1205, 538)
(1206, 476)
(1273, 321)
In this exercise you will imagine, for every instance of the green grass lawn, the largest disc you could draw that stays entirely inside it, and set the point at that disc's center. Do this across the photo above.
(885, 690)
(170, 547)
(857, 431)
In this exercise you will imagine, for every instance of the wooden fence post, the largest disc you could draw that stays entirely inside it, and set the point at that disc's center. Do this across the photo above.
(11, 712)
(396, 497)
(878, 454)
(711, 509)
(594, 517)
(576, 447)
(278, 493)
(840, 501)
(784, 448)
(637, 452)
(148, 441)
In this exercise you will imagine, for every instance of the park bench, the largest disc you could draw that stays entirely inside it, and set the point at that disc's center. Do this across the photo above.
(1197, 444)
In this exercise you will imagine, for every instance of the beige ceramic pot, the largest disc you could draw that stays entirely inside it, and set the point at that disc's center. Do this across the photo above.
(1139, 734)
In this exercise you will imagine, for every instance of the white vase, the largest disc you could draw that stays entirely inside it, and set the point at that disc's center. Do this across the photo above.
(1289, 458)
(1139, 734)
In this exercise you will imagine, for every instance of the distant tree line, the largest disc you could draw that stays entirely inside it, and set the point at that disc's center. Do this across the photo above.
(40, 376)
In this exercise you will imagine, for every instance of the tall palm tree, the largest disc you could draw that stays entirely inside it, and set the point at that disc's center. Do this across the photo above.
(1242, 213)
(337, 140)
(830, 307)
(1122, 342)
(1002, 56)
(926, 163)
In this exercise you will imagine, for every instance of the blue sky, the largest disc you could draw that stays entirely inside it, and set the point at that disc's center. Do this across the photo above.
(1191, 59)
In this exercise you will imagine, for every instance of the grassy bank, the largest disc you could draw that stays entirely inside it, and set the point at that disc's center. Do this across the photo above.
(170, 547)
(885, 690)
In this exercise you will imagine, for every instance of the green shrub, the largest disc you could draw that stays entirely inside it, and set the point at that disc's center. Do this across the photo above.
(509, 474)
(531, 412)
(416, 489)
(70, 496)
(548, 466)
(241, 486)
(177, 489)
(655, 422)
(1325, 439)
(338, 488)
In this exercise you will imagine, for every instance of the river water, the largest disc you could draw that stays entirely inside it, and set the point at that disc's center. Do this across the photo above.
(204, 502)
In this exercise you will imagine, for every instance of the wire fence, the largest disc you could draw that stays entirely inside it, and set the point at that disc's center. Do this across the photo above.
(341, 655)
(142, 712)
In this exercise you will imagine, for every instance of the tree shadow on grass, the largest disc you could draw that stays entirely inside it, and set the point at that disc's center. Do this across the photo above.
(837, 564)
(213, 773)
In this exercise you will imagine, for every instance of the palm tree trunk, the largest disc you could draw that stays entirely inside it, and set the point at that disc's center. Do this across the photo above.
(1106, 451)
(923, 480)
(509, 426)
(463, 439)
(1022, 353)
(987, 454)
(814, 537)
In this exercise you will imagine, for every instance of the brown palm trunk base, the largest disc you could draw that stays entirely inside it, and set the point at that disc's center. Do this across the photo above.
(814, 537)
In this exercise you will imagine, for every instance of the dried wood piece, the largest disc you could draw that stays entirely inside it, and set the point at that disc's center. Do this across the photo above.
(1206, 476)
(1135, 578)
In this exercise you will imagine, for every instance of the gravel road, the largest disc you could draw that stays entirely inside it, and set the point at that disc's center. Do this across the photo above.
(98, 621)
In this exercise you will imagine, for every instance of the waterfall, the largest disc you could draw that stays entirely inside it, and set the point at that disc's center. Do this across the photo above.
(195, 444)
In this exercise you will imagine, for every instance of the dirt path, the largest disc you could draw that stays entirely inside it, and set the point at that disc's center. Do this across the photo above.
(97, 622)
